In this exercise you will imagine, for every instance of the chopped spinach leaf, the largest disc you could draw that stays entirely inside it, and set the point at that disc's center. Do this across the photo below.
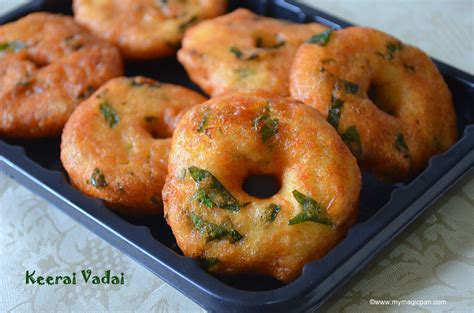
(109, 113)
(211, 192)
(203, 124)
(311, 211)
(240, 55)
(334, 113)
(98, 179)
(272, 212)
(236, 51)
(207, 263)
(214, 231)
(350, 87)
(86, 93)
(321, 39)
(235, 236)
(391, 48)
(351, 138)
(268, 126)
(401, 145)
(13, 46)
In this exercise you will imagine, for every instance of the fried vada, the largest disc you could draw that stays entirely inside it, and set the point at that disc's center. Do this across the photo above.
(220, 143)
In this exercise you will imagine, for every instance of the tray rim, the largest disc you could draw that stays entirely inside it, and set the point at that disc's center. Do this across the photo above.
(248, 298)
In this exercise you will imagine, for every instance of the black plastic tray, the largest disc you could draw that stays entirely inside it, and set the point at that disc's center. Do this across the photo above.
(385, 209)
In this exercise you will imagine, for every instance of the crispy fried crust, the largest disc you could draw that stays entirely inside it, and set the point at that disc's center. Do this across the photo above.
(242, 51)
(144, 29)
(48, 64)
(232, 137)
(115, 145)
(389, 92)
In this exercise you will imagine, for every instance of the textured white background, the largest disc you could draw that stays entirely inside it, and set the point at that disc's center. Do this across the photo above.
(433, 259)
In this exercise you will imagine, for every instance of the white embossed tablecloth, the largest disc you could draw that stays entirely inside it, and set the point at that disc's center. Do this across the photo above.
(432, 260)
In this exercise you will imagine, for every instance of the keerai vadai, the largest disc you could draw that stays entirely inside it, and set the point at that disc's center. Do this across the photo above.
(48, 64)
(218, 144)
(242, 51)
(144, 29)
(115, 145)
(386, 99)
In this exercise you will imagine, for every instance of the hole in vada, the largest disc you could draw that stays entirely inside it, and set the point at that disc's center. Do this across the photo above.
(157, 128)
(379, 98)
(261, 186)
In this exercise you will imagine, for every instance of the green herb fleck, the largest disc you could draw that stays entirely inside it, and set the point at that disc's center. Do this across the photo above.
(235, 236)
(13, 46)
(207, 263)
(109, 113)
(98, 179)
(245, 72)
(240, 55)
(272, 212)
(211, 192)
(202, 198)
(24, 83)
(215, 231)
(204, 122)
(311, 211)
(268, 126)
(350, 87)
(321, 39)
(334, 113)
(401, 145)
(86, 93)
(351, 138)
(236, 51)
(391, 48)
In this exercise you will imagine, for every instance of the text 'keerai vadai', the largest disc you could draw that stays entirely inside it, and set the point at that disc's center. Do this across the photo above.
(48, 64)
(387, 99)
(218, 144)
(115, 145)
(145, 29)
(242, 51)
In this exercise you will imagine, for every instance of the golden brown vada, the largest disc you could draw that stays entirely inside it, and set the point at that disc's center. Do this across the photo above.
(221, 142)
(48, 64)
(242, 51)
(115, 145)
(144, 29)
(386, 99)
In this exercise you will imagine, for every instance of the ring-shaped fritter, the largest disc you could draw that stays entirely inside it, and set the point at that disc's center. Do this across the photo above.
(242, 51)
(218, 144)
(387, 99)
(115, 145)
(144, 29)
(48, 65)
